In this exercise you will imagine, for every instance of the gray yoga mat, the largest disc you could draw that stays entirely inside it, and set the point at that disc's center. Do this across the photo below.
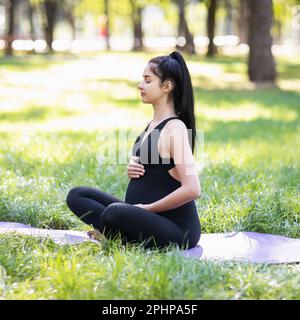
(58, 236)
(238, 246)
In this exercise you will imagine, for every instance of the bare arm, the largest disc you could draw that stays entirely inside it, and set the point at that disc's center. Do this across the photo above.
(173, 200)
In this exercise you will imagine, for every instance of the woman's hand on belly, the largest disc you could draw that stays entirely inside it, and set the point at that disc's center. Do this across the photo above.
(134, 169)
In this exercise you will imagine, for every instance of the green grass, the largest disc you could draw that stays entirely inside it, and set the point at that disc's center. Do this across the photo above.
(54, 111)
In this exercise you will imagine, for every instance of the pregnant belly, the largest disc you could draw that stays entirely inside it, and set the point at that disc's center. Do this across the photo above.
(142, 191)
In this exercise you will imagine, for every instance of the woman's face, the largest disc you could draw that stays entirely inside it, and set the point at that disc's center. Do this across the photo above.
(150, 86)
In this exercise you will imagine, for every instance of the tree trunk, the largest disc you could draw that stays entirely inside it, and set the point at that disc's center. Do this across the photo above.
(183, 30)
(136, 16)
(30, 10)
(243, 21)
(261, 64)
(107, 27)
(211, 22)
(50, 10)
(11, 27)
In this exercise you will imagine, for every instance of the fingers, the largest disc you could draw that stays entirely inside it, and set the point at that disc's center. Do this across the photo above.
(135, 171)
(134, 177)
(135, 167)
(135, 174)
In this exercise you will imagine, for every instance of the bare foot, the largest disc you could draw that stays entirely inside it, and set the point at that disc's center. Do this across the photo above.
(95, 235)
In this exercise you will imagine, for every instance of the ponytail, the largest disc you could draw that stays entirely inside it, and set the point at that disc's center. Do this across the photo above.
(185, 102)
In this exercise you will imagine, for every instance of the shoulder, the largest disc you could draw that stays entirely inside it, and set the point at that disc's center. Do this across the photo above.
(175, 126)
(176, 123)
(174, 130)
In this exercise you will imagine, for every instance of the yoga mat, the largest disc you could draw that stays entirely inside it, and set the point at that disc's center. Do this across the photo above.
(246, 246)
(233, 246)
(58, 236)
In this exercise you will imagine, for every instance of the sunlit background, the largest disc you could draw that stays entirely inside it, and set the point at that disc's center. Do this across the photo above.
(90, 26)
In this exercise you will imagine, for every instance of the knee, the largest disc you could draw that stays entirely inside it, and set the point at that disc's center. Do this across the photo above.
(112, 213)
(73, 193)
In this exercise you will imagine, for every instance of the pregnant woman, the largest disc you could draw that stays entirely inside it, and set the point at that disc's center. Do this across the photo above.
(159, 207)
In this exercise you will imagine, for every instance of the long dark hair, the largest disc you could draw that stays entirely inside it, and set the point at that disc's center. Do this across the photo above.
(174, 68)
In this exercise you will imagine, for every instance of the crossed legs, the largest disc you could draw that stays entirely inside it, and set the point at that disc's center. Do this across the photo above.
(112, 216)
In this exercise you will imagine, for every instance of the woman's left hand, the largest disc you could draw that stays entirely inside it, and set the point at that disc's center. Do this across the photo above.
(143, 206)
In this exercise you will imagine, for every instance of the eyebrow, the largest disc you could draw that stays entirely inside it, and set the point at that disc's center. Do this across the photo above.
(147, 76)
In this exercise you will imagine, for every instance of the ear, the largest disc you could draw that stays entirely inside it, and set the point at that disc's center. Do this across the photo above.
(168, 86)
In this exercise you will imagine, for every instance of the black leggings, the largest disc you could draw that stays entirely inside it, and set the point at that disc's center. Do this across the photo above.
(113, 217)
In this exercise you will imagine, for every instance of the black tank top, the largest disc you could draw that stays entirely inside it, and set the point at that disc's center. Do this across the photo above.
(156, 182)
(147, 150)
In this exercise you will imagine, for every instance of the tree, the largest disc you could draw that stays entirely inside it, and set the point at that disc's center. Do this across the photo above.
(31, 11)
(51, 8)
(211, 22)
(68, 10)
(243, 21)
(11, 26)
(136, 17)
(261, 64)
(183, 29)
(229, 16)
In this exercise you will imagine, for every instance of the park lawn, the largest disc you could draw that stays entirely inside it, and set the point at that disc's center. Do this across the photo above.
(54, 112)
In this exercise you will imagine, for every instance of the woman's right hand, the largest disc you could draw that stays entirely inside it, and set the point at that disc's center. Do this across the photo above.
(135, 169)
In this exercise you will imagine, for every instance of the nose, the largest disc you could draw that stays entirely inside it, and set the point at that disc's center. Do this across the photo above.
(140, 86)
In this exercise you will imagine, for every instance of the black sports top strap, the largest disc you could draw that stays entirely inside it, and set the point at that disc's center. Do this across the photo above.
(159, 127)
(163, 122)
(147, 143)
